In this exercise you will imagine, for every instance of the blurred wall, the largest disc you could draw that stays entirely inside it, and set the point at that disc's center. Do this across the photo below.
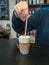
(4, 22)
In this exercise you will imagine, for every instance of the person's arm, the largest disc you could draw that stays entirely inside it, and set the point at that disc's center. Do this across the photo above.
(19, 26)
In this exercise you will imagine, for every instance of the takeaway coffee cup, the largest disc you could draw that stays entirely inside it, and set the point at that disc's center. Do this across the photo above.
(24, 44)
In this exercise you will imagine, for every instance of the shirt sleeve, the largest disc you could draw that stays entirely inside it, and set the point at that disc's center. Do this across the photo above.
(17, 24)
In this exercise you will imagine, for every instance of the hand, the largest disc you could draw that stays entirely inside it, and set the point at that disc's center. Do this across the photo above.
(21, 10)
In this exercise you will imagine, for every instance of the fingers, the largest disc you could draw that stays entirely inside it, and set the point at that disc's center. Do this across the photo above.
(21, 6)
(21, 10)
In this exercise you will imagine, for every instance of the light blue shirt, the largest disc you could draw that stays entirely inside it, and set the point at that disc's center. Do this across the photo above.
(45, 8)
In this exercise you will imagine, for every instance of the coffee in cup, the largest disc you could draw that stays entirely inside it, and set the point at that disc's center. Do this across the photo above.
(24, 44)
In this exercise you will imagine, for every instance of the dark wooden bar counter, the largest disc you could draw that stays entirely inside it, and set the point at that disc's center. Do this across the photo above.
(9, 54)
